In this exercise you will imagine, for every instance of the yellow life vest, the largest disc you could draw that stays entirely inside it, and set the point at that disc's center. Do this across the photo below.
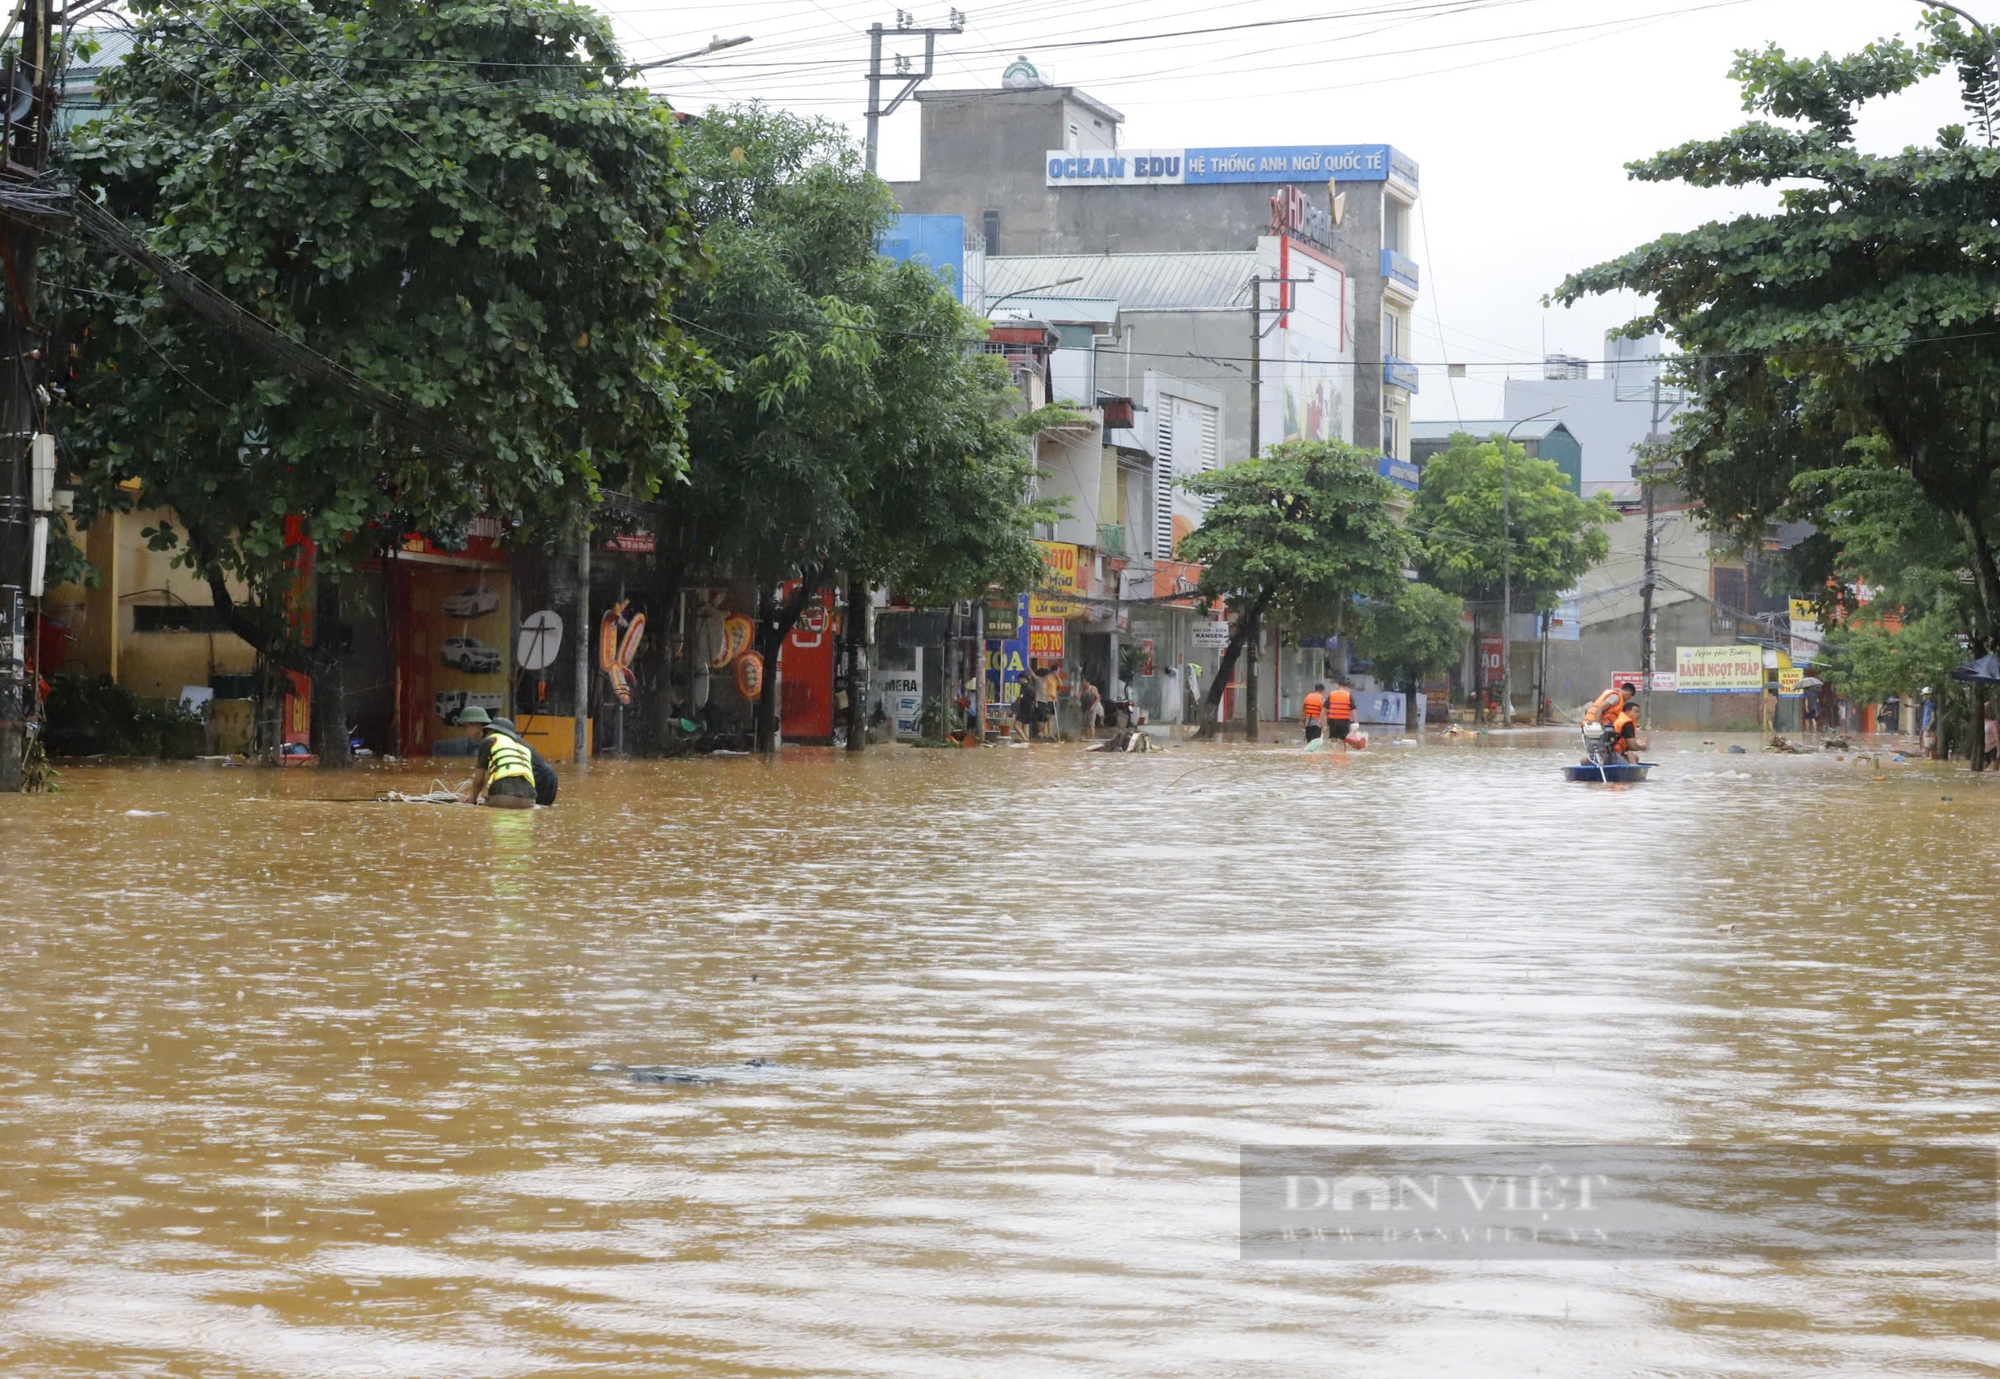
(507, 759)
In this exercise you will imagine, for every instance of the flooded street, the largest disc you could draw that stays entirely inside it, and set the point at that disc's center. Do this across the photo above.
(944, 1059)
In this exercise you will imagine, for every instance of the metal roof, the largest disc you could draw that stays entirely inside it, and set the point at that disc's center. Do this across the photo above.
(1485, 430)
(1216, 281)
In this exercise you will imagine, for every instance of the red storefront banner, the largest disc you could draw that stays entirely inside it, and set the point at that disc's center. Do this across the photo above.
(1045, 639)
(805, 663)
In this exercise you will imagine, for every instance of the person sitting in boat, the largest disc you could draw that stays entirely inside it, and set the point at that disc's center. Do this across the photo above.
(1623, 743)
(1600, 719)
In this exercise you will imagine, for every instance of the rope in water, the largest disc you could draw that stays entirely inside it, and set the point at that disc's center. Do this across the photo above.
(439, 793)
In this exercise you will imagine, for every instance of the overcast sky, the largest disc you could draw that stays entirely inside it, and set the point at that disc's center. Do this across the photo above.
(1521, 113)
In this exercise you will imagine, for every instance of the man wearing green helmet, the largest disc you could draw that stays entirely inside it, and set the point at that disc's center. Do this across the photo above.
(504, 770)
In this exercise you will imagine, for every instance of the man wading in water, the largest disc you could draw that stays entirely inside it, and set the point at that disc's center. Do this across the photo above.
(504, 772)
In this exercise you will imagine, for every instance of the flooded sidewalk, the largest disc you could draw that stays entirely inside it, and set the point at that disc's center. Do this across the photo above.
(940, 1063)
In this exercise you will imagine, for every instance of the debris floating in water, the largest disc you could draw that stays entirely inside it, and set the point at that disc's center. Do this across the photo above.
(145, 813)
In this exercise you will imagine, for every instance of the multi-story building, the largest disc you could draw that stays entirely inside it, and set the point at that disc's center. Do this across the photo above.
(1043, 173)
(1202, 303)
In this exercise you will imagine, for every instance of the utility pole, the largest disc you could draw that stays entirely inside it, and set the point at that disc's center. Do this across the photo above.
(911, 80)
(1258, 331)
(1256, 364)
(27, 103)
(1647, 471)
(1507, 566)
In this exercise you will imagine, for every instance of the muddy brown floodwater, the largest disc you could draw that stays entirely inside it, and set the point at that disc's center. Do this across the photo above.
(955, 1053)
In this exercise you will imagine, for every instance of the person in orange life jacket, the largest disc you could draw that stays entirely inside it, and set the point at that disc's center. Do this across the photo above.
(1314, 712)
(1339, 711)
(1624, 743)
(1611, 712)
(1605, 707)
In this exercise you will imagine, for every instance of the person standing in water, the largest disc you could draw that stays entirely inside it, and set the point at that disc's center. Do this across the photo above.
(1313, 711)
(503, 774)
(1339, 711)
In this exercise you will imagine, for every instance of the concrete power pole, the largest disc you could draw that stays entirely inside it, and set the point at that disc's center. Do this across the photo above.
(1258, 331)
(911, 80)
(27, 103)
(1648, 474)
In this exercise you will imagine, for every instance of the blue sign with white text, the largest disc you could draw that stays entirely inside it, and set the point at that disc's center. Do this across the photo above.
(1210, 166)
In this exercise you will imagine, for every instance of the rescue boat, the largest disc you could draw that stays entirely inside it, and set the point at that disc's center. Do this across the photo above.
(1611, 773)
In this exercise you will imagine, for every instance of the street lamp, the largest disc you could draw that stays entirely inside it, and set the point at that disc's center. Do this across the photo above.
(1507, 566)
(715, 45)
(1024, 291)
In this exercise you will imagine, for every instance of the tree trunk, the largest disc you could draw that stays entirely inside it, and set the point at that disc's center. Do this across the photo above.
(768, 643)
(856, 629)
(1410, 703)
(775, 620)
(1211, 702)
(1985, 573)
(1978, 723)
(329, 699)
(1250, 678)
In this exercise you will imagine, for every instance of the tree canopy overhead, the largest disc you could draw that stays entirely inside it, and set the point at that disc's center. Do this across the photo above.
(455, 202)
(862, 433)
(1859, 312)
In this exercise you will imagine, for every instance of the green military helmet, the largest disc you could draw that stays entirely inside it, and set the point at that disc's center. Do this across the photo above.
(473, 715)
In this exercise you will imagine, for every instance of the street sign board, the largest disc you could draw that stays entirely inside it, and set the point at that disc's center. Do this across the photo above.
(1720, 669)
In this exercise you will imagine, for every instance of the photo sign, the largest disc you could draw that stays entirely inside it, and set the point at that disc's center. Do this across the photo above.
(1719, 670)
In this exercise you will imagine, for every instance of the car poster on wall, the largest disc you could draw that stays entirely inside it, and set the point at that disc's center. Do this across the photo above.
(454, 628)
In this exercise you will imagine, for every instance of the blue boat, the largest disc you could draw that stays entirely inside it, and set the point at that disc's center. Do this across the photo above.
(1611, 773)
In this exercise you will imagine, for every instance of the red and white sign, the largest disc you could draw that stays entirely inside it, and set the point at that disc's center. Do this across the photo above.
(1666, 681)
(1635, 678)
(1489, 655)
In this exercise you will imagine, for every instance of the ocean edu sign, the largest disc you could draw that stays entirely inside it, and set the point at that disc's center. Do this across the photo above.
(1192, 167)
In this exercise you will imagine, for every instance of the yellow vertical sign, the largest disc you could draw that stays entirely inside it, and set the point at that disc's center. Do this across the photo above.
(1061, 577)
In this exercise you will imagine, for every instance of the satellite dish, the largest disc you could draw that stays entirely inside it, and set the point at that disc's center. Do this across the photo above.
(541, 638)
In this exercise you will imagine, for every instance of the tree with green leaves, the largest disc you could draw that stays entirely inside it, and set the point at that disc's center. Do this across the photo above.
(1861, 308)
(1886, 565)
(456, 204)
(1413, 634)
(1302, 533)
(861, 433)
(1542, 539)
(1851, 326)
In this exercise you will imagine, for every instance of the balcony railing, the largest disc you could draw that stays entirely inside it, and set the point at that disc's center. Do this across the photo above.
(1396, 268)
(1111, 538)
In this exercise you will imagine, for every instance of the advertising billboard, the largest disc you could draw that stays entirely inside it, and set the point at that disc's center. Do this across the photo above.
(1719, 670)
(1193, 167)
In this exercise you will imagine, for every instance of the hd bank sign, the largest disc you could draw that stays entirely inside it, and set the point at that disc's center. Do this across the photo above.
(1190, 167)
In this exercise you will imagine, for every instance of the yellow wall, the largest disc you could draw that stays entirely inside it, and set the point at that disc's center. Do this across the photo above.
(156, 664)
